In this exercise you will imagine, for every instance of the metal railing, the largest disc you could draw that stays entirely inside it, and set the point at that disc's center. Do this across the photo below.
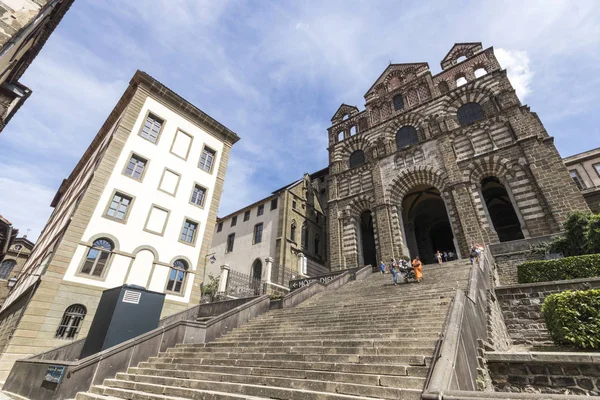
(241, 285)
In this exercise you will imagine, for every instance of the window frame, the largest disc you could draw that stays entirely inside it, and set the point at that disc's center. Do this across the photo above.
(254, 231)
(212, 165)
(129, 207)
(274, 201)
(219, 226)
(187, 155)
(146, 229)
(233, 221)
(133, 154)
(364, 161)
(416, 133)
(203, 198)
(68, 325)
(107, 265)
(398, 95)
(581, 185)
(162, 177)
(471, 122)
(227, 249)
(186, 272)
(162, 127)
(196, 232)
(596, 167)
(247, 215)
(260, 210)
(6, 262)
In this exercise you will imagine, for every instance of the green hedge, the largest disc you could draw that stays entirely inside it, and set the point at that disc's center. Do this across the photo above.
(573, 318)
(586, 266)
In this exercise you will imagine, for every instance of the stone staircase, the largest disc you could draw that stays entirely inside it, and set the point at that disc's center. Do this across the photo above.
(368, 339)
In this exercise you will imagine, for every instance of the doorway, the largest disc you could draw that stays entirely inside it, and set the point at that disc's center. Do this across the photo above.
(367, 239)
(500, 210)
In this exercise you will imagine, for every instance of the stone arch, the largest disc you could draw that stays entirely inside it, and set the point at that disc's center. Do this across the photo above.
(413, 119)
(488, 166)
(108, 236)
(359, 204)
(150, 248)
(352, 240)
(468, 94)
(350, 145)
(417, 175)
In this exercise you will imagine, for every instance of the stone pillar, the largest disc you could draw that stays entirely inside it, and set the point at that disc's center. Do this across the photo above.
(223, 279)
(268, 268)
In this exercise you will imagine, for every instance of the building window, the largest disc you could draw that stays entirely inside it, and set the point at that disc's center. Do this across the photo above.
(258, 229)
(261, 210)
(234, 220)
(71, 322)
(443, 87)
(479, 72)
(273, 204)
(317, 242)
(406, 136)
(157, 220)
(151, 128)
(304, 238)
(207, 159)
(230, 241)
(461, 81)
(169, 182)
(219, 227)
(136, 167)
(177, 276)
(469, 113)
(97, 259)
(6, 268)
(119, 207)
(577, 179)
(188, 233)
(398, 102)
(198, 195)
(246, 215)
(597, 168)
(357, 158)
(294, 204)
(293, 231)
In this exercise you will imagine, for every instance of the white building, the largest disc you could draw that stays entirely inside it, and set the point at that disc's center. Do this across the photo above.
(139, 208)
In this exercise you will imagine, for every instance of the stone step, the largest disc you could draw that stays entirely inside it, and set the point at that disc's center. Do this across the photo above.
(385, 311)
(384, 323)
(401, 333)
(176, 352)
(406, 342)
(244, 365)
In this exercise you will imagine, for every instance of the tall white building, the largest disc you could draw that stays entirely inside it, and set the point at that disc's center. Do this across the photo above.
(139, 208)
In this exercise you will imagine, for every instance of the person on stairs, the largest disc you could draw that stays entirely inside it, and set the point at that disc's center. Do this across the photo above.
(418, 267)
(382, 267)
(394, 271)
(438, 257)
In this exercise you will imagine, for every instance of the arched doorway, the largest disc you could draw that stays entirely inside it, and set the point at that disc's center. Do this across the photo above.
(500, 210)
(367, 246)
(256, 276)
(426, 224)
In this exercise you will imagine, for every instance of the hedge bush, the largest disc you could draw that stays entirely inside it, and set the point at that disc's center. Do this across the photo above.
(573, 318)
(586, 266)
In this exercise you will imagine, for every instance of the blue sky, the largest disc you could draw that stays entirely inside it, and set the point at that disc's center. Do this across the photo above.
(275, 72)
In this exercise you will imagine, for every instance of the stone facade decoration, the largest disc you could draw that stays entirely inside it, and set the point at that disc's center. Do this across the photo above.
(481, 168)
(11, 265)
(25, 25)
(139, 208)
(584, 169)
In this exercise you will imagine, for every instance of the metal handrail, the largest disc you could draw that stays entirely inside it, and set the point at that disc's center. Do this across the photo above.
(438, 345)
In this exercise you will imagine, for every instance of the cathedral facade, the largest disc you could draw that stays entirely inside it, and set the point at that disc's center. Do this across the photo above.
(441, 162)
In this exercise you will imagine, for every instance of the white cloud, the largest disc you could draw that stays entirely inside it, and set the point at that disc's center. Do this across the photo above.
(517, 64)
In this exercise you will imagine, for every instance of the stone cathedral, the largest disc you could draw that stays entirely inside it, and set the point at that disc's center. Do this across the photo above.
(440, 162)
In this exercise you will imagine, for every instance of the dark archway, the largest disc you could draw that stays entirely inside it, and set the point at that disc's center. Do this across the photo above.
(367, 239)
(256, 277)
(500, 210)
(426, 223)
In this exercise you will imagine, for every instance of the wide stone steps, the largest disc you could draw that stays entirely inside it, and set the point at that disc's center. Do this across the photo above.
(367, 340)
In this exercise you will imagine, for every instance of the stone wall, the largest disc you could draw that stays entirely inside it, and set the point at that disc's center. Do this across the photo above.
(522, 307)
(558, 373)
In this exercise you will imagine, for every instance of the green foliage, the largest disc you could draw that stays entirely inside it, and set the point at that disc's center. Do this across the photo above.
(586, 266)
(210, 287)
(574, 241)
(593, 234)
(573, 318)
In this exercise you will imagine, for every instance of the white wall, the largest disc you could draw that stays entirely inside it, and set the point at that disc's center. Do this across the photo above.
(131, 235)
(244, 252)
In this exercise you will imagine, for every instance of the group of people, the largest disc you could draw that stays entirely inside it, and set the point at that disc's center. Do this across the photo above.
(395, 267)
(444, 256)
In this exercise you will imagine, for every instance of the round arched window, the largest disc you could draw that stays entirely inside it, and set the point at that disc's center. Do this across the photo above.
(357, 158)
(469, 113)
(177, 276)
(406, 136)
(398, 102)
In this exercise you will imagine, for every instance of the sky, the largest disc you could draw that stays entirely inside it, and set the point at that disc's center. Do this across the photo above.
(275, 72)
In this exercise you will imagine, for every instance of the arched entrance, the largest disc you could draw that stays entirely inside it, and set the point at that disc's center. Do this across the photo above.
(426, 224)
(367, 246)
(500, 210)
(256, 277)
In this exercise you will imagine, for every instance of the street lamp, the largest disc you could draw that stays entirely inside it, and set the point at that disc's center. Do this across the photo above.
(212, 259)
(11, 282)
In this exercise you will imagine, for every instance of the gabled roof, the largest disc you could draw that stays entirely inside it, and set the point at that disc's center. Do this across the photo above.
(343, 110)
(402, 68)
(459, 48)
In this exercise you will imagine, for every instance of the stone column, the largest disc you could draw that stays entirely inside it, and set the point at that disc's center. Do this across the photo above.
(223, 279)
(268, 268)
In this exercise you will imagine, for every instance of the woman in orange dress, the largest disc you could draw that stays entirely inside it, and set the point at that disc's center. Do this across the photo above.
(418, 267)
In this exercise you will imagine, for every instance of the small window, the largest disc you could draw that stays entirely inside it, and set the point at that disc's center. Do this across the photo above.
(6, 268)
(71, 322)
(293, 231)
(597, 168)
(260, 210)
(234, 220)
(151, 128)
(443, 86)
(398, 102)
(461, 81)
(353, 130)
(230, 242)
(258, 229)
(207, 159)
(97, 259)
(136, 166)
(188, 232)
(177, 276)
(219, 227)
(304, 238)
(198, 195)
(246, 215)
(273, 204)
(119, 207)
(317, 242)
(479, 72)
(406, 136)
(577, 179)
(340, 136)
(357, 158)
(461, 59)
(294, 204)
(469, 113)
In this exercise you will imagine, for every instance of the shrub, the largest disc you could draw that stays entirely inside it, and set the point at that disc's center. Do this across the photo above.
(573, 318)
(574, 241)
(586, 266)
(593, 234)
